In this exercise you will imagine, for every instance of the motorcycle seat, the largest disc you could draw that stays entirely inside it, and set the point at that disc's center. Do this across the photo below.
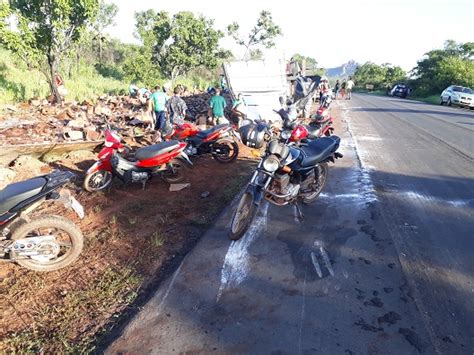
(207, 132)
(318, 150)
(155, 149)
(18, 192)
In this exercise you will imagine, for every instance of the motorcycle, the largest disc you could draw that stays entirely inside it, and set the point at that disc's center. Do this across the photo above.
(167, 160)
(43, 242)
(286, 174)
(217, 141)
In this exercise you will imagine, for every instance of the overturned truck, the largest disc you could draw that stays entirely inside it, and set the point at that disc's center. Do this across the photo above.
(263, 82)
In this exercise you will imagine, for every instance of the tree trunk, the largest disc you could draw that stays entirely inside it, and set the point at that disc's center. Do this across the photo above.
(100, 49)
(52, 62)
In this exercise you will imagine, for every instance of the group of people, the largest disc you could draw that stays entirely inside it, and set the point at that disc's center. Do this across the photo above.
(167, 111)
(345, 88)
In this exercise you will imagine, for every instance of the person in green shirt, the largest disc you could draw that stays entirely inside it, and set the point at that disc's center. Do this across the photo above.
(158, 100)
(217, 105)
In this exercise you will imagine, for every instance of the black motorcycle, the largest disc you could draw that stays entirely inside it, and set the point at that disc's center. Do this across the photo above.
(42, 242)
(286, 174)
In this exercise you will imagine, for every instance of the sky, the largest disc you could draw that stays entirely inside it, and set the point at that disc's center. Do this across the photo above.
(333, 32)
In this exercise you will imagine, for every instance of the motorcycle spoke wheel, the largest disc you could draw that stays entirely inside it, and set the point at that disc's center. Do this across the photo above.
(62, 251)
(175, 172)
(242, 217)
(225, 152)
(321, 174)
(98, 180)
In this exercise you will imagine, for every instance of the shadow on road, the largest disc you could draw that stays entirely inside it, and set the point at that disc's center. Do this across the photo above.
(248, 316)
(404, 110)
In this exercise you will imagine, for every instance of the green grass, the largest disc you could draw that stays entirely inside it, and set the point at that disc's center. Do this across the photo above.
(18, 83)
(65, 325)
(433, 99)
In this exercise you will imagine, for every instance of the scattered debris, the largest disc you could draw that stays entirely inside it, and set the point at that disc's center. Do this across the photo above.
(205, 194)
(390, 318)
(179, 187)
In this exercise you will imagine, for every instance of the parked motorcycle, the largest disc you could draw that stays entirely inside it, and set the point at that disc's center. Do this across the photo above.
(167, 160)
(43, 242)
(220, 141)
(286, 174)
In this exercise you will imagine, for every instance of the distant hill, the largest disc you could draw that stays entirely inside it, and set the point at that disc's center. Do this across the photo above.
(343, 70)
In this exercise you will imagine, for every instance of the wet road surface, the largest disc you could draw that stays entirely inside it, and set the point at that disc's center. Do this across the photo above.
(381, 263)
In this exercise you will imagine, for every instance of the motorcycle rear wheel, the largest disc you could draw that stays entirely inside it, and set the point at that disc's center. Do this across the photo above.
(243, 216)
(176, 172)
(321, 174)
(98, 180)
(225, 151)
(70, 249)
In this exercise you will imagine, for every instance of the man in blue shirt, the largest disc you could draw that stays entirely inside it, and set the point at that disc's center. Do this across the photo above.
(158, 100)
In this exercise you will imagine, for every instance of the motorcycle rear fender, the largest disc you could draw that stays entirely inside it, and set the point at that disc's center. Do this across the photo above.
(332, 158)
(100, 165)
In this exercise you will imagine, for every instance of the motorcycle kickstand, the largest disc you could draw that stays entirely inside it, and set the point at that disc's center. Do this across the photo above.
(300, 214)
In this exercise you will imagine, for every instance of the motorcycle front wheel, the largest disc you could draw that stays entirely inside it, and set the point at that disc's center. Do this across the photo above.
(175, 172)
(225, 151)
(98, 180)
(242, 217)
(321, 176)
(63, 251)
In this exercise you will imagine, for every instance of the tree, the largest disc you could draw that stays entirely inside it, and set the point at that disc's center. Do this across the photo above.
(41, 32)
(186, 42)
(440, 68)
(380, 76)
(105, 18)
(262, 34)
(310, 63)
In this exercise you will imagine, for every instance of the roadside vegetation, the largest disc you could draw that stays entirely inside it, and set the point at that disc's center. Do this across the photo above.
(438, 69)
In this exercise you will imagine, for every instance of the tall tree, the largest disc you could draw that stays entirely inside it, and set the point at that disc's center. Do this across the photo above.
(440, 68)
(105, 18)
(263, 34)
(41, 32)
(186, 42)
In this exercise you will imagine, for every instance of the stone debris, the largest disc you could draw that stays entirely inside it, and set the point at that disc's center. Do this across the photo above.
(39, 121)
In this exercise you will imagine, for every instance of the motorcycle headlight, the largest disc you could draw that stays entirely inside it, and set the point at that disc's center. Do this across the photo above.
(271, 163)
(285, 134)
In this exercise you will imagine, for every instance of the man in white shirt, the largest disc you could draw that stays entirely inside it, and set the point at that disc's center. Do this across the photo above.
(349, 85)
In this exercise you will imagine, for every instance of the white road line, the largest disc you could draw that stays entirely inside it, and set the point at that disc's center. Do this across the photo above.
(170, 286)
(432, 199)
(316, 265)
(326, 260)
(236, 262)
(303, 310)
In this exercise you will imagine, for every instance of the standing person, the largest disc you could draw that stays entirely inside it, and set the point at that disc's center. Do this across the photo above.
(159, 100)
(349, 85)
(323, 90)
(336, 89)
(217, 105)
(176, 107)
(239, 109)
(343, 88)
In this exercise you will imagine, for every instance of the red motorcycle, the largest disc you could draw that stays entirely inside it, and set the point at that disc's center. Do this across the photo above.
(217, 140)
(167, 160)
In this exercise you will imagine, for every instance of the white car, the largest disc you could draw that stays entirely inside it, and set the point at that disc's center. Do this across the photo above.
(457, 95)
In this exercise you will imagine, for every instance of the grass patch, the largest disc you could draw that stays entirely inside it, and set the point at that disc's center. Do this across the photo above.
(68, 325)
(433, 99)
(18, 83)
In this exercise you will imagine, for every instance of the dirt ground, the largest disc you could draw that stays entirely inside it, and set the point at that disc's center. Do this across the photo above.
(133, 237)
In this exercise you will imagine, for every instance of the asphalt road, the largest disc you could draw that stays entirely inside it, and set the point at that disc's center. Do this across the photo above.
(381, 263)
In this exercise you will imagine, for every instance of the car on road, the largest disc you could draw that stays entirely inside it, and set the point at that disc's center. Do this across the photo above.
(400, 90)
(457, 95)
